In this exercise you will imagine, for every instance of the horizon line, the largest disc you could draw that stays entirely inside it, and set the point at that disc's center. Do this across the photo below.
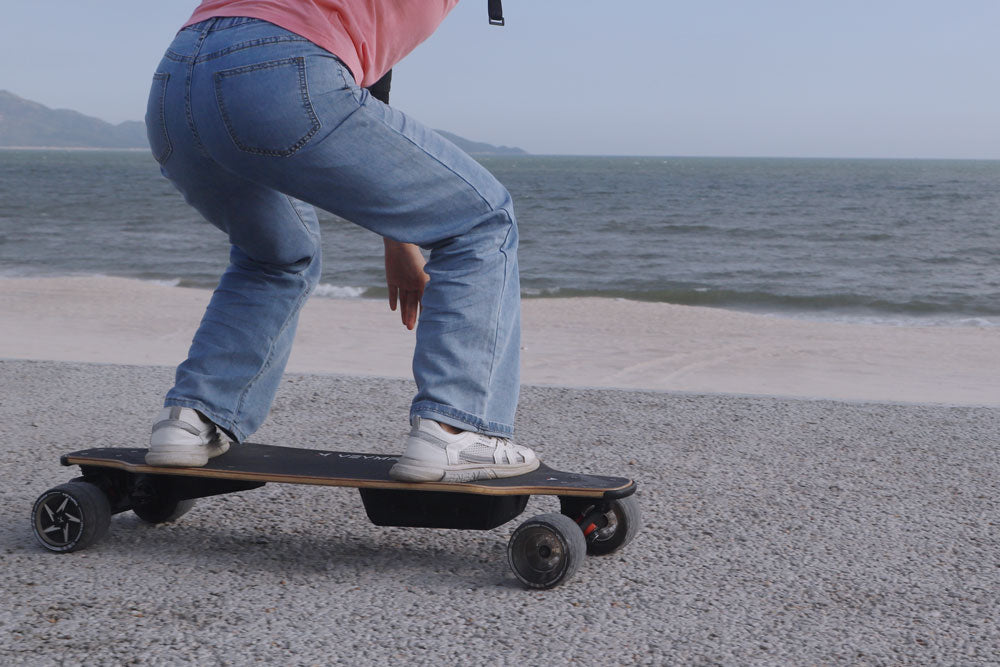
(593, 155)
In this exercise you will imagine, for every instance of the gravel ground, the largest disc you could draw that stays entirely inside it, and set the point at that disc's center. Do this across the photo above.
(775, 532)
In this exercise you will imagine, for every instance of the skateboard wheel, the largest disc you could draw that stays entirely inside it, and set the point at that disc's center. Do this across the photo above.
(71, 516)
(153, 498)
(606, 530)
(162, 511)
(546, 550)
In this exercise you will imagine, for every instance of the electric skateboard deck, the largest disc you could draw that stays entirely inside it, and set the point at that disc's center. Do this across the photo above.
(598, 514)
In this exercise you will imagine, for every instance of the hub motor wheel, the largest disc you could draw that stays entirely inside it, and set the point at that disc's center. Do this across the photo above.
(163, 511)
(71, 516)
(154, 500)
(546, 550)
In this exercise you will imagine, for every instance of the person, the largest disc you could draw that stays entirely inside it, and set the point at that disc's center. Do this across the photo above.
(258, 113)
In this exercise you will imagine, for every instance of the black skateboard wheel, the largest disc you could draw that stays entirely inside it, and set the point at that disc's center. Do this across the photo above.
(154, 499)
(71, 516)
(607, 529)
(161, 510)
(546, 550)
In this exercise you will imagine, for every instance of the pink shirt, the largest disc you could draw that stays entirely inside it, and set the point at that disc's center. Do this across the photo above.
(370, 36)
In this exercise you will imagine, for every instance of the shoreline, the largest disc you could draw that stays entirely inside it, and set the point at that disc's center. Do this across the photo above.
(569, 342)
(74, 148)
(329, 291)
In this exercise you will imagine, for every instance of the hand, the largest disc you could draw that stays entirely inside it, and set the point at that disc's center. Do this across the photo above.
(405, 277)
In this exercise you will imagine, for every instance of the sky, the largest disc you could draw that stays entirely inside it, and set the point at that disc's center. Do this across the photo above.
(782, 78)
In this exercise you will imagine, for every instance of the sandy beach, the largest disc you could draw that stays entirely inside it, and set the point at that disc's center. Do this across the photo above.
(812, 493)
(567, 342)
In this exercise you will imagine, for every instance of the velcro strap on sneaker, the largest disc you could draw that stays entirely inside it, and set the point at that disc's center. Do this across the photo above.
(509, 453)
(177, 423)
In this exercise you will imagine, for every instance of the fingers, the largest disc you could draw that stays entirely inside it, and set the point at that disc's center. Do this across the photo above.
(410, 302)
(405, 278)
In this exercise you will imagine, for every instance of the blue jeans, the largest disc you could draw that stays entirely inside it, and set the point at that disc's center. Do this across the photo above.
(255, 126)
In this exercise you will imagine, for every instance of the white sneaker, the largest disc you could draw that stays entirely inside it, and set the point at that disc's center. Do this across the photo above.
(182, 438)
(435, 455)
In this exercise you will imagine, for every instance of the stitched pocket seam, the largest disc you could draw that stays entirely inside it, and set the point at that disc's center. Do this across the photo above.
(161, 118)
(307, 107)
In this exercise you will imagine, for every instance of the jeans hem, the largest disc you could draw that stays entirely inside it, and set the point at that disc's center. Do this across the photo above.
(460, 419)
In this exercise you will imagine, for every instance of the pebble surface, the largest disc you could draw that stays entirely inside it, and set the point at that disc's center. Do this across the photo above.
(775, 532)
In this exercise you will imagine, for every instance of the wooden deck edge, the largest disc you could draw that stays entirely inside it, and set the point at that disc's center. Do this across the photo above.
(215, 473)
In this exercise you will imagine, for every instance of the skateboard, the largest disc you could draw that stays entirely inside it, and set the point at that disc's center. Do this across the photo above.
(597, 515)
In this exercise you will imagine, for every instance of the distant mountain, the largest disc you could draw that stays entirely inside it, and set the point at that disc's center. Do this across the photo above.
(478, 147)
(27, 123)
(30, 124)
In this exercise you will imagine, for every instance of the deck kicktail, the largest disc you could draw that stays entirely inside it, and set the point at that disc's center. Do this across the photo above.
(597, 515)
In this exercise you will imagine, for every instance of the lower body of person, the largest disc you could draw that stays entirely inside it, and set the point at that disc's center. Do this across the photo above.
(255, 126)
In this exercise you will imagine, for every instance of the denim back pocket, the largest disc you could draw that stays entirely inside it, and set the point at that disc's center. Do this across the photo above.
(266, 107)
(156, 125)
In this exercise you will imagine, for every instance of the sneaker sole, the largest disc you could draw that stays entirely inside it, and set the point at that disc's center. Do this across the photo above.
(184, 457)
(411, 471)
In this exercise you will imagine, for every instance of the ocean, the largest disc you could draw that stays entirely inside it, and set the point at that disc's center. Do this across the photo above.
(883, 241)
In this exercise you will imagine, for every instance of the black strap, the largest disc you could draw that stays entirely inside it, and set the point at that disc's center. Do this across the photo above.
(380, 89)
(496, 12)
